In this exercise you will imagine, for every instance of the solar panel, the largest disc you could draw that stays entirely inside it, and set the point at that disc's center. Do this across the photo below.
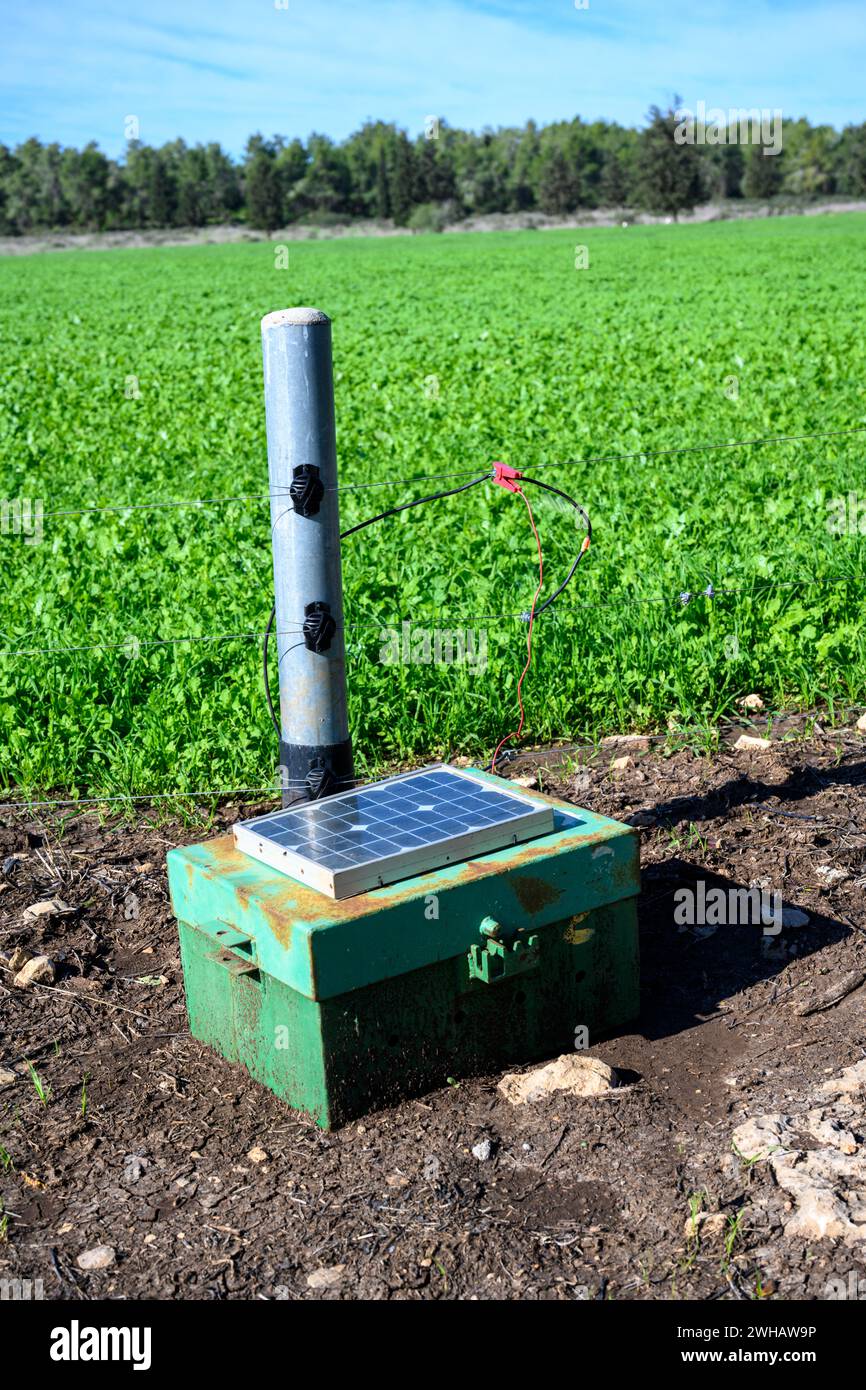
(393, 829)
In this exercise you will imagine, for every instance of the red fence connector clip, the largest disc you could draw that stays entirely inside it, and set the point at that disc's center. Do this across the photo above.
(504, 475)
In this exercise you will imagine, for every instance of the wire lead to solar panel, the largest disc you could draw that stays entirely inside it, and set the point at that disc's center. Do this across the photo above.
(585, 544)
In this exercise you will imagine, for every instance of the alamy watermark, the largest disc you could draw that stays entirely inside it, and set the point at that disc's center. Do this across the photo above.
(846, 516)
(840, 1287)
(736, 126)
(21, 1290)
(22, 516)
(424, 646)
(728, 907)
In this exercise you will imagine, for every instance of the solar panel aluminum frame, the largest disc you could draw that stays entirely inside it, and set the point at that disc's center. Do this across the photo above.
(379, 873)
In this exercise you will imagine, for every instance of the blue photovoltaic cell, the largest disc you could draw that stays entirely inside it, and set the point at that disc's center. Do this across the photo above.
(389, 818)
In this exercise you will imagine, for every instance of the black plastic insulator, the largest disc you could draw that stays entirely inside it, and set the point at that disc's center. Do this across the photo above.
(320, 780)
(319, 627)
(327, 765)
(306, 489)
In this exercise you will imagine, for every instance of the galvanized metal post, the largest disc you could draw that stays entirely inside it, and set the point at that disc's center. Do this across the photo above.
(315, 748)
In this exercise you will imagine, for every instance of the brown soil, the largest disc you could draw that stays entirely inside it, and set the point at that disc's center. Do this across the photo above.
(580, 1198)
(136, 238)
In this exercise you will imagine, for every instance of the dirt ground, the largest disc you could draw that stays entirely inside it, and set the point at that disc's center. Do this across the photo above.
(207, 1187)
(733, 209)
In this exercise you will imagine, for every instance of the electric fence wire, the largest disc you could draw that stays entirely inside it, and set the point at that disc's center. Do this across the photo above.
(677, 600)
(132, 644)
(273, 789)
(557, 746)
(589, 462)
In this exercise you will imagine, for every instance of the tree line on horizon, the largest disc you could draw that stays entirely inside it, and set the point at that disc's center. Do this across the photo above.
(442, 176)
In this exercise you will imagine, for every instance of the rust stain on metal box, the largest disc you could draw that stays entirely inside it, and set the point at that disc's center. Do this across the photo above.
(533, 894)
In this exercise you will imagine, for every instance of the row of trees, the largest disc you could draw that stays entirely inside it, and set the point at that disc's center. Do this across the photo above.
(444, 174)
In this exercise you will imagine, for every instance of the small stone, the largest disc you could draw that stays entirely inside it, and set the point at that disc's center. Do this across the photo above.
(639, 742)
(704, 1223)
(18, 959)
(794, 917)
(830, 874)
(100, 1257)
(432, 1167)
(257, 1155)
(752, 702)
(49, 907)
(861, 724)
(38, 971)
(621, 764)
(325, 1278)
(527, 782)
(7, 1077)
(482, 1151)
(133, 1167)
(755, 745)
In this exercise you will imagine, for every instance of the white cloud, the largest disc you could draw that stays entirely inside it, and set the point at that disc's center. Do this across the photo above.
(222, 70)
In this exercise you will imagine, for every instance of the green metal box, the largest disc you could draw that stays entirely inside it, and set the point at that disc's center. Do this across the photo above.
(343, 1006)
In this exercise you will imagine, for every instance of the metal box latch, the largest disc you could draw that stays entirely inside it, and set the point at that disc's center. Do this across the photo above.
(501, 957)
(237, 951)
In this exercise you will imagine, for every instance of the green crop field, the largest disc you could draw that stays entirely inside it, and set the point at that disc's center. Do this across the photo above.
(134, 377)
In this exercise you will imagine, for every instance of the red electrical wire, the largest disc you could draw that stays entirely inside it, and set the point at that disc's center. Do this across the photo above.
(513, 486)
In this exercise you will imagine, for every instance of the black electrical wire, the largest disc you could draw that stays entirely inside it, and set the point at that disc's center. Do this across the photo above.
(434, 497)
(392, 511)
(548, 487)
(271, 711)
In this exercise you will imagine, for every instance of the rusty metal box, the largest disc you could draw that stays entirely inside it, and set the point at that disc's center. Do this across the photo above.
(344, 1006)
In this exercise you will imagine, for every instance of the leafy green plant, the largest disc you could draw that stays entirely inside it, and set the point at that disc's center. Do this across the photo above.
(39, 1086)
(142, 384)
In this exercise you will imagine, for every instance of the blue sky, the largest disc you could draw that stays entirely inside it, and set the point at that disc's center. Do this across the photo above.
(74, 70)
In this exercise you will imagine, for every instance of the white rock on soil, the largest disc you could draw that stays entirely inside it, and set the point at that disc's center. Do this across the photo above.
(830, 874)
(861, 723)
(752, 702)
(257, 1155)
(851, 1081)
(621, 764)
(7, 1077)
(50, 907)
(526, 782)
(325, 1278)
(818, 1159)
(753, 744)
(704, 1224)
(482, 1151)
(639, 742)
(574, 1074)
(38, 971)
(18, 959)
(100, 1257)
